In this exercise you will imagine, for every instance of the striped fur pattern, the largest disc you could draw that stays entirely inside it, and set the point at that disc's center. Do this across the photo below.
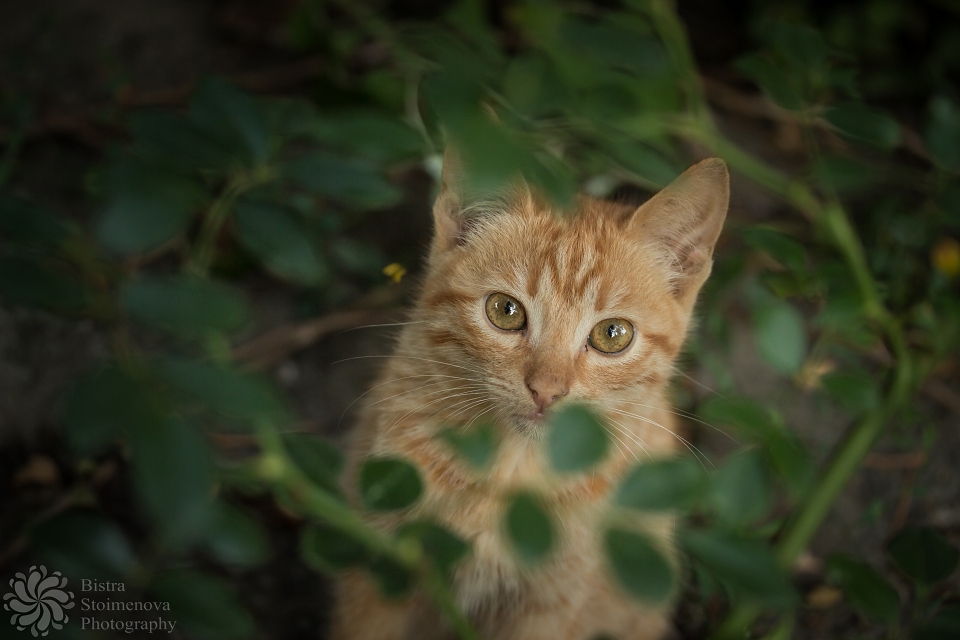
(453, 367)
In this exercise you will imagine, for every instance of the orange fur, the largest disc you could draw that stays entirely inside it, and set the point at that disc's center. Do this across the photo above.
(453, 367)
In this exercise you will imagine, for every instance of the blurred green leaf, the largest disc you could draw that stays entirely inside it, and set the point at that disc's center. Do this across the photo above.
(943, 133)
(477, 445)
(240, 397)
(943, 626)
(865, 124)
(744, 565)
(642, 159)
(638, 565)
(615, 42)
(843, 175)
(27, 223)
(740, 490)
(661, 485)
(866, 590)
(387, 484)
(780, 336)
(775, 81)
(576, 439)
(183, 305)
(232, 117)
(923, 554)
(178, 144)
(235, 538)
(206, 606)
(765, 428)
(30, 283)
(351, 181)
(146, 206)
(278, 239)
(370, 135)
(784, 249)
(529, 528)
(358, 258)
(856, 390)
(82, 544)
(330, 550)
(174, 476)
(395, 581)
(443, 548)
(316, 457)
(802, 45)
(104, 404)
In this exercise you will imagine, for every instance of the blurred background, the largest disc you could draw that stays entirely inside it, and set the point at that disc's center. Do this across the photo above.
(207, 207)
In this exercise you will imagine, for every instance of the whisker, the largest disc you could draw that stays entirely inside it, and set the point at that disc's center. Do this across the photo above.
(445, 364)
(690, 446)
(697, 382)
(632, 436)
(682, 414)
(377, 386)
(386, 324)
(618, 440)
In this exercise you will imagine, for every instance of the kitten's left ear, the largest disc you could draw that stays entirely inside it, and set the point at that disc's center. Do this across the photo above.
(447, 219)
(685, 220)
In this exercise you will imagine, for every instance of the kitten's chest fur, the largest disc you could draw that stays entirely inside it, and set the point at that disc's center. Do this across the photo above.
(402, 420)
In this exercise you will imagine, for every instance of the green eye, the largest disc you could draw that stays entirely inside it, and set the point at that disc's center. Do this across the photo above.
(611, 335)
(505, 312)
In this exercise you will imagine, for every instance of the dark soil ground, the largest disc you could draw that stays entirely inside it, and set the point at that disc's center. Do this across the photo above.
(73, 56)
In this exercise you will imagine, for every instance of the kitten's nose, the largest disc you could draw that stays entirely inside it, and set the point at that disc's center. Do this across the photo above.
(546, 390)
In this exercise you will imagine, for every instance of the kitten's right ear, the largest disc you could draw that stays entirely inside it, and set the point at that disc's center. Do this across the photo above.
(448, 221)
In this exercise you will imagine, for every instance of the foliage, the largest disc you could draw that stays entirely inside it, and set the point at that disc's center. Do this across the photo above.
(587, 97)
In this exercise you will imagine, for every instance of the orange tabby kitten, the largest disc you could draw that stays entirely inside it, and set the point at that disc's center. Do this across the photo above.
(523, 310)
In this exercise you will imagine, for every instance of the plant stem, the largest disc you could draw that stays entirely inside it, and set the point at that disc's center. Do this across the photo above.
(205, 247)
(277, 468)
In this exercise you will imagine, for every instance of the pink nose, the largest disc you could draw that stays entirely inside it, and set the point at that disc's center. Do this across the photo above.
(546, 390)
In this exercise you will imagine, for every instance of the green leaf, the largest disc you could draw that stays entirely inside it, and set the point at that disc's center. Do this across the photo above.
(30, 283)
(576, 439)
(943, 133)
(206, 607)
(330, 550)
(865, 124)
(395, 581)
(783, 248)
(369, 135)
(844, 175)
(923, 554)
(178, 144)
(760, 425)
(855, 390)
(183, 305)
(740, 490)
(865, 589)
(944, 626)
(638, 565)
(235, 538)
(232, 117)
(803, 46)
(744, 565)
(443, 548)
(612, 43)
(278, 239)
(239, 397)
(642, 159)
(105, 404)
(477, 445)
(387, 484)
(780, 335)
(27, 223)
(146, 206)
(316, 457)
(174, 475)
(774, 80)
(81, 544)
(529, 528)
(351, 181)
(662, 485)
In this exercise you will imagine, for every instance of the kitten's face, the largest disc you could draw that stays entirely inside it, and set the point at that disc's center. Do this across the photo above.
(544, 309)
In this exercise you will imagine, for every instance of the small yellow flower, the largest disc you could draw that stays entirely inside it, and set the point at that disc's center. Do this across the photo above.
(945, 256)
(395, 270)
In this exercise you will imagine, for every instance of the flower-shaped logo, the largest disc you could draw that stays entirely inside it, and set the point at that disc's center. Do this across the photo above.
(38, 601)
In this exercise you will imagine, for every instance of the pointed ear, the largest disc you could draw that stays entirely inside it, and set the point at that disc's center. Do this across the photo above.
(447, 219)
(460, 208)
(684, 220)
